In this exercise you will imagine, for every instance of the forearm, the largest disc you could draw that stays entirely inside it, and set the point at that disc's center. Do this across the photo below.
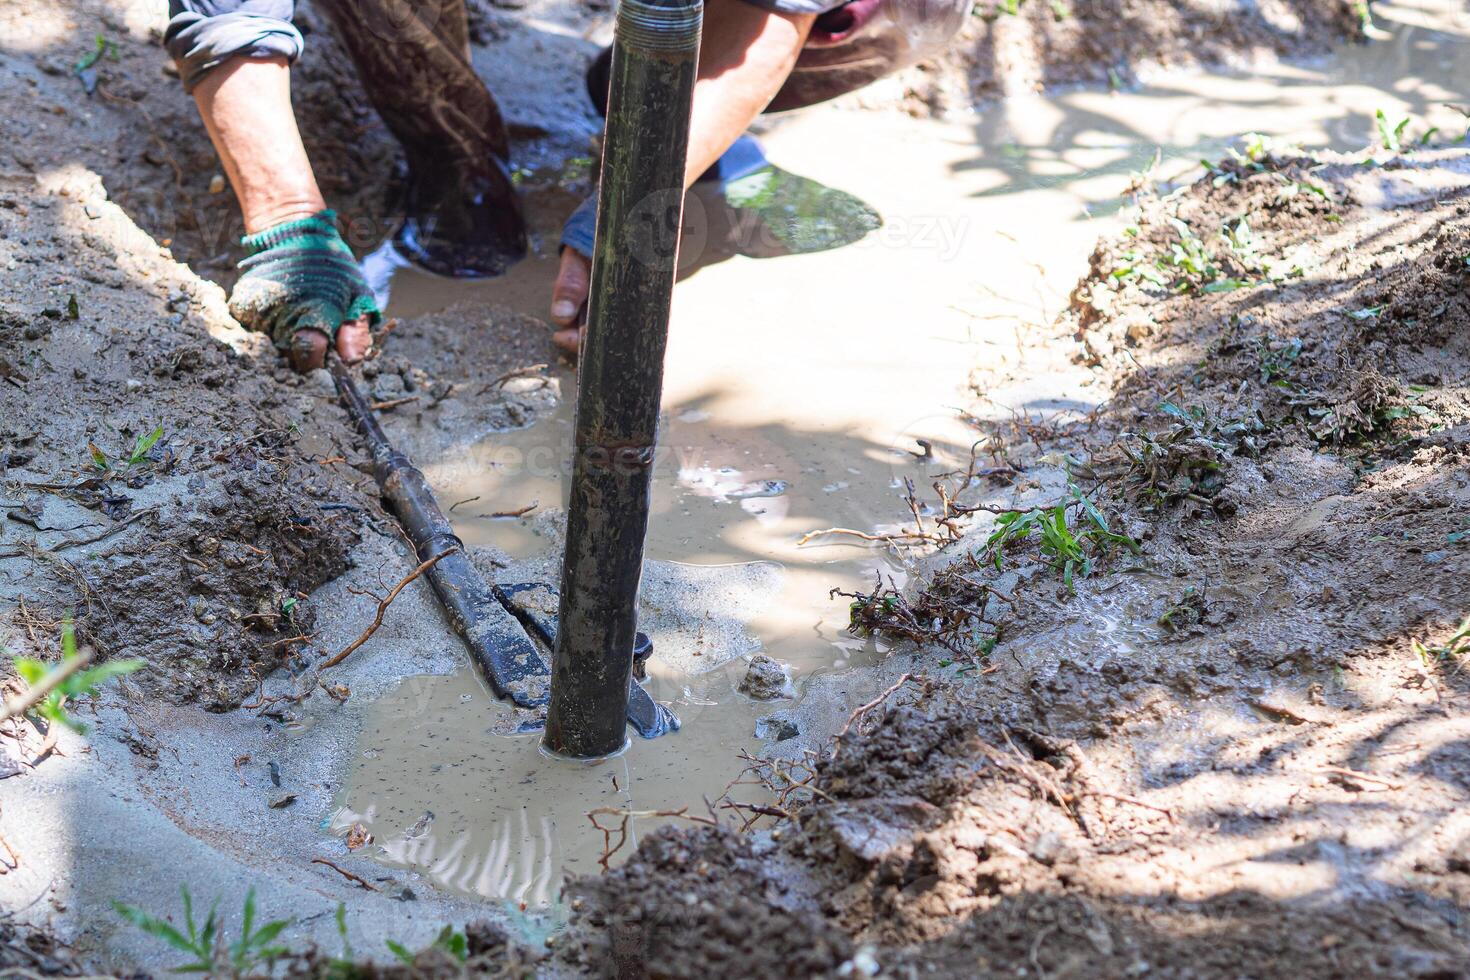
(246, 106)
(745, 57)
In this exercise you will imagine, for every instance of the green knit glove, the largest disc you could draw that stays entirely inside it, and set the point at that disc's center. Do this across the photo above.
(300, 275)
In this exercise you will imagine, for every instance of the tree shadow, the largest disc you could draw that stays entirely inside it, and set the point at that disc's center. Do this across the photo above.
(1091, 139)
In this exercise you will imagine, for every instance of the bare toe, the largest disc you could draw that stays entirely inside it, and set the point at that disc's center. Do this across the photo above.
(309, 350)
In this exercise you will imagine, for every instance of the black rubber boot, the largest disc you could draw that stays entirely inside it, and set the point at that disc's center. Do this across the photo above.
(461, 213)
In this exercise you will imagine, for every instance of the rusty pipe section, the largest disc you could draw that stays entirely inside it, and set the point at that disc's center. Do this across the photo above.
(620, 371)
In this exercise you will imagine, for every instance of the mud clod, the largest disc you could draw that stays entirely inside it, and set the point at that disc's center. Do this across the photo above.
(694, 902)
(766, 680)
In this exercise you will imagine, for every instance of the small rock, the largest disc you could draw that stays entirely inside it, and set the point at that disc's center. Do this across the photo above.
(760, 488)
(766, 680)
(388, 387)
(1046, 848)
(11, 763)
(864, 964)
(217, 184)
(774, 728)
(1138, 328)
(283, 801)
(870, 830)
(319, 382)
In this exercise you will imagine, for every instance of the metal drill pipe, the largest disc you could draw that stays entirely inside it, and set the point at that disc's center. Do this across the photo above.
(620, 371)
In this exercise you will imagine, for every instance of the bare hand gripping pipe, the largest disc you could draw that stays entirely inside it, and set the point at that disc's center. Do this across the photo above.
(495, 621)
(620, 384)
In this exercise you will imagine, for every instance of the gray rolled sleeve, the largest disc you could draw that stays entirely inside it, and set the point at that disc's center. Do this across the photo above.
(797, 6)
(203, 34)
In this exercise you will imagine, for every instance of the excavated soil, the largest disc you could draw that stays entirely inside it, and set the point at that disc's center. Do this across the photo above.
(1274, 781)
(1240, 752)
(198, 555)
(205, 542)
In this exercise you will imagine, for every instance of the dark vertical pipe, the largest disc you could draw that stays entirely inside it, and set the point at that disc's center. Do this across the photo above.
(620, 371)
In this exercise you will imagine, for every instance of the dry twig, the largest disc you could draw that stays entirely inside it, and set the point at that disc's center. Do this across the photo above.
(347, 874)
(609, 848)
(511, 375)
(383, 406)
(884, 538)
(19, 705)
(865, 708)
(1360, 776)
(383, 605)
(521, 512)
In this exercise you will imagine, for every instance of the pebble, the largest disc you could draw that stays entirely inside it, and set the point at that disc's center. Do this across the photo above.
(319, 382)
(774, 728)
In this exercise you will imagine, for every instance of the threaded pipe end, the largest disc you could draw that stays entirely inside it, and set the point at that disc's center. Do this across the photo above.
(644, 26)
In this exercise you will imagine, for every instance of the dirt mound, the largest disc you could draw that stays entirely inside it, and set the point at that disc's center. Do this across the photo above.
(1313, 393)
(178, 499)
(695, 902)
(166, 480)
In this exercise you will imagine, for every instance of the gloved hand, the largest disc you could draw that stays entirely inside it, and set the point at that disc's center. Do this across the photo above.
(301, 284)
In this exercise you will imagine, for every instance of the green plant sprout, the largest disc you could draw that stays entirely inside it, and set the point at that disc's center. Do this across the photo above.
(1392, 138)
(452, 942)
(138, 454)
(1185, 460)
(1064, 549)
(257, 953)
(1188, 611)
(206, 942)
(1190, 255)
(103, 48)
(68, 680)
(1365, 16)
(1277, 360)
(1451, 650)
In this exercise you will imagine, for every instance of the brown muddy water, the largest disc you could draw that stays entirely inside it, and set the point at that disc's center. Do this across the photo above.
(797, 391)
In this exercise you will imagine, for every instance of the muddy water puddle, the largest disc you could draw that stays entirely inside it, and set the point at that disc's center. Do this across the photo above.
(800, 392)
(477, 812)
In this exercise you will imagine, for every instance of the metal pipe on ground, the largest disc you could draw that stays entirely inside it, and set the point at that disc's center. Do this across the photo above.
(496, 620)
(496, 639)
(620, 371)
